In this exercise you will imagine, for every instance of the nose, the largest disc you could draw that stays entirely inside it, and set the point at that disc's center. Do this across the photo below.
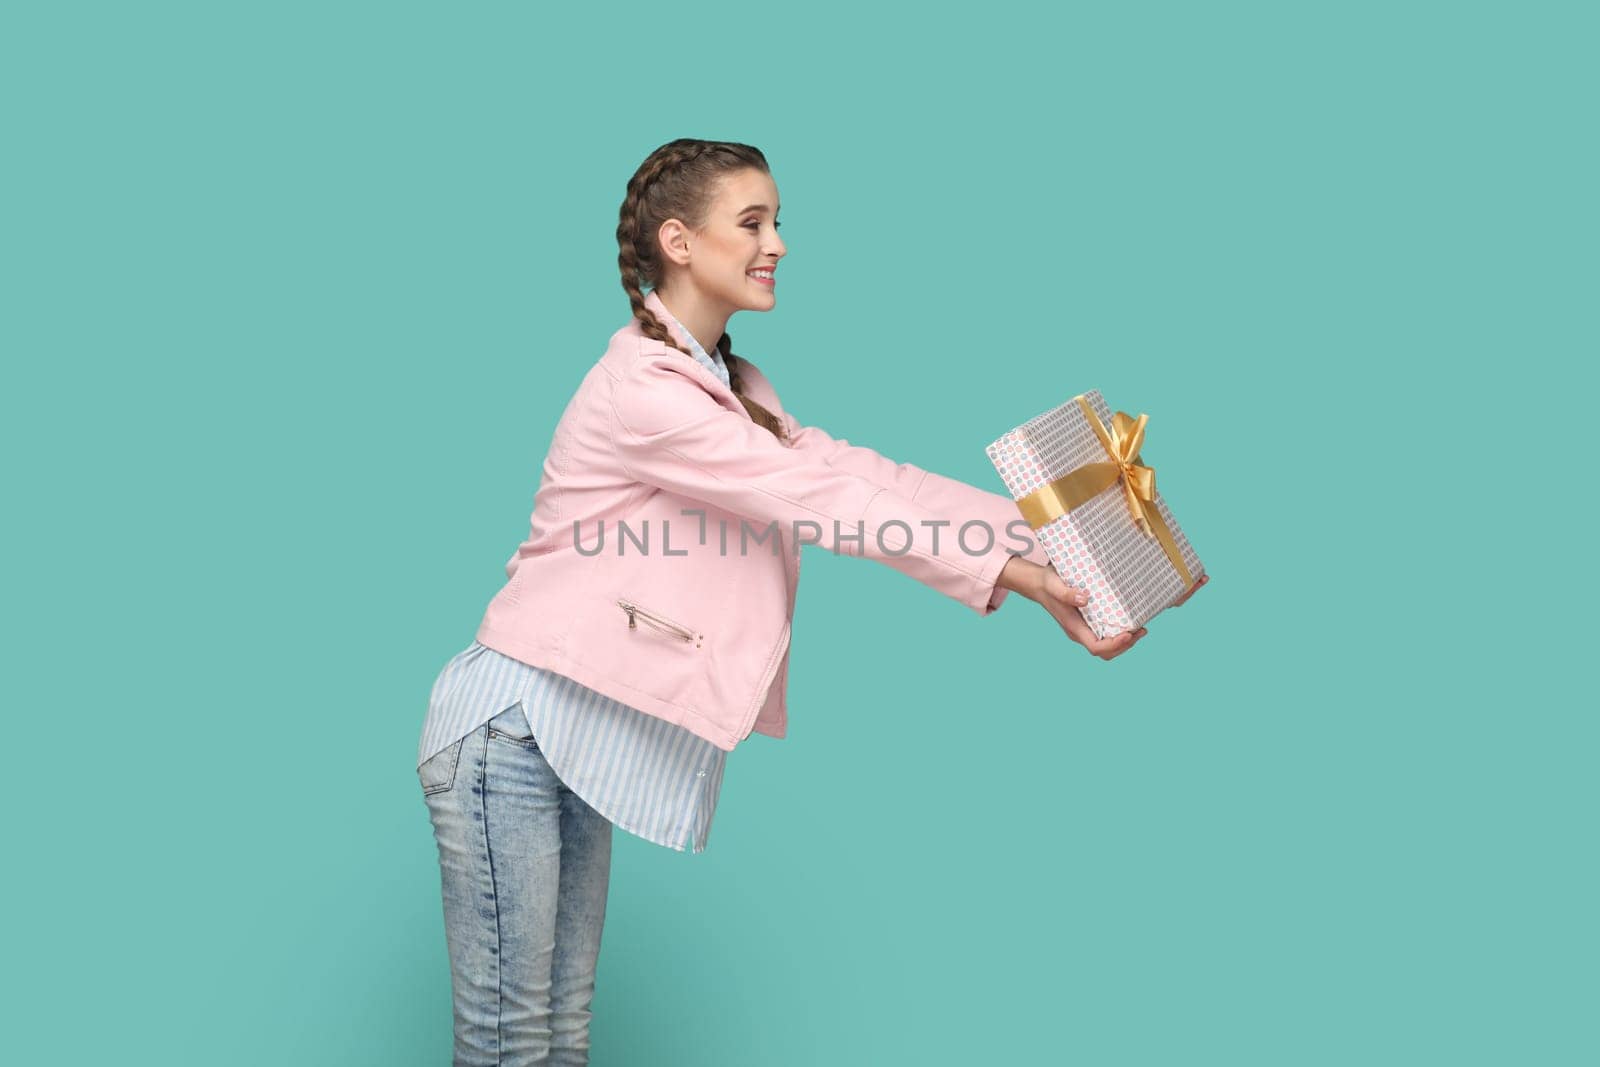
(775, 246)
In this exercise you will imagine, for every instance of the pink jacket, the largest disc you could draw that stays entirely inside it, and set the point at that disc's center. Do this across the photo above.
(686, 613)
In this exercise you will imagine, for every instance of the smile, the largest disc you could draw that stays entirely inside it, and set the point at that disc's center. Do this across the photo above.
(762, 277)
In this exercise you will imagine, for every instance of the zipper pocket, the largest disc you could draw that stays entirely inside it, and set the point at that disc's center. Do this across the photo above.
(660, 622)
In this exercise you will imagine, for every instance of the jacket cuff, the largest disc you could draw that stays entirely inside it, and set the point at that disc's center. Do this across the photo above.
(1035, 554)
(991, 596)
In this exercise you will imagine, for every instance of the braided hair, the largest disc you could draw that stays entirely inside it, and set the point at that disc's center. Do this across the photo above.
(677, 180)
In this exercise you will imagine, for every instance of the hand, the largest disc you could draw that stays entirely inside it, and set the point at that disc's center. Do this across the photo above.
(1045, 587)
(1191, 591)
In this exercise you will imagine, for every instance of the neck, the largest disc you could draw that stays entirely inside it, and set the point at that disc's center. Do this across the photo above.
(705, 323)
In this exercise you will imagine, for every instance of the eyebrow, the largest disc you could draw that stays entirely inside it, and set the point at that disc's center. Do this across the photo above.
(754, 207)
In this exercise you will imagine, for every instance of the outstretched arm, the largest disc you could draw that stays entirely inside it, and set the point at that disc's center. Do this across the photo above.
(670, 433)
(935, 491)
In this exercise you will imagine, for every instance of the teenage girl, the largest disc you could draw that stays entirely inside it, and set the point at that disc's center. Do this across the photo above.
(612, 674)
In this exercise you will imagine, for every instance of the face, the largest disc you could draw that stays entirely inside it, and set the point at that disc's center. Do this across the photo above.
(730, 259)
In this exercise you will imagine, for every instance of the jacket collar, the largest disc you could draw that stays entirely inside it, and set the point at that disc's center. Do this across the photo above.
(682, 362)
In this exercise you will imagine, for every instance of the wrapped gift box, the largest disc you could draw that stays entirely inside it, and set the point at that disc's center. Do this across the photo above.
(1096, 545)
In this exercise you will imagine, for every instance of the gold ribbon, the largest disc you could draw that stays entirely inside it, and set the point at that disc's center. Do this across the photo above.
(1122, 443)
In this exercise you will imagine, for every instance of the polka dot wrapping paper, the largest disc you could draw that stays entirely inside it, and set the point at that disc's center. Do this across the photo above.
(1096, 546)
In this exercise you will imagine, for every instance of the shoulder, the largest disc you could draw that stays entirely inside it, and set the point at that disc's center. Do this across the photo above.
(632, 357)
(658, 388)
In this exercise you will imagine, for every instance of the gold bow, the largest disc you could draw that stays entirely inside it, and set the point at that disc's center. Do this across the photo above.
(1122, 444)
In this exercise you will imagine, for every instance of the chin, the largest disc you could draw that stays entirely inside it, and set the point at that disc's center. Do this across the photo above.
(756, 297)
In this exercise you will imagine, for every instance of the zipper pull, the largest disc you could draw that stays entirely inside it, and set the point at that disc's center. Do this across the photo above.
(633, 623)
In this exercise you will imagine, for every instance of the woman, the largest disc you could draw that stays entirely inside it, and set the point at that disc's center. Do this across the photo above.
(612, 673)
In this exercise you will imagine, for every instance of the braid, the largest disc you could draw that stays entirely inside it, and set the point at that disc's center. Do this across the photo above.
(680, 173)
(630, 240)
(760, 415)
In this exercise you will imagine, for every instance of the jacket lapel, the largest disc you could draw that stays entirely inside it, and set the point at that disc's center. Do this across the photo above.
(686, 364)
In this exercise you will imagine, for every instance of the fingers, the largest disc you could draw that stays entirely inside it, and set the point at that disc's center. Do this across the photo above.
(1109, 648)
(1063, 591)
(1192, 590)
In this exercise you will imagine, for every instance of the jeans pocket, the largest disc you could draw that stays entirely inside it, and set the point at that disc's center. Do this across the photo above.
(438, 772)
(512, 725)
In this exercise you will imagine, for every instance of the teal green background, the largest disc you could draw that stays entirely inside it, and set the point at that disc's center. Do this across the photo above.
(294, 294)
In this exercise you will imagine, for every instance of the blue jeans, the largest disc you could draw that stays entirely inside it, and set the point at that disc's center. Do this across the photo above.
(524, 865)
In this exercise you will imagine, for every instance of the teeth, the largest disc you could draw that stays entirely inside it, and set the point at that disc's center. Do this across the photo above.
(760, 273)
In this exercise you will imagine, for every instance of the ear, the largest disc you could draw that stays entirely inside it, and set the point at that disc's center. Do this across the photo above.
(673, 241)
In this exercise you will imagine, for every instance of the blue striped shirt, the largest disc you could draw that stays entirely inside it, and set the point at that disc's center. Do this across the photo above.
(648, 776)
